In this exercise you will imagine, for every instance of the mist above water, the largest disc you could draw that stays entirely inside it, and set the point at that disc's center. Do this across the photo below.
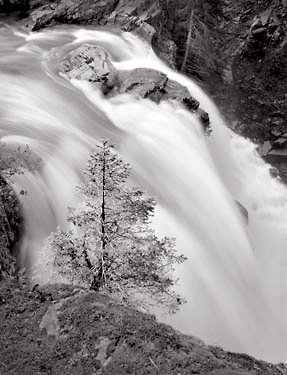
(235, 276)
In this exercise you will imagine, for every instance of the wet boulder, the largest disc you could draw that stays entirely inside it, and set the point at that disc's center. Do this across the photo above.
(91, 63)
(156, 86)
(147, 83)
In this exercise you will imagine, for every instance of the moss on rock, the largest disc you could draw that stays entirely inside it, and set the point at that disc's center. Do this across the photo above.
(63, 329)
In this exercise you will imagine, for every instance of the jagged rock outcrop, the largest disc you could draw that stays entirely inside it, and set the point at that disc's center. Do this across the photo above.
(91, 63)
(93, 12)
(259, 70)
(156, 86)
(63, 329)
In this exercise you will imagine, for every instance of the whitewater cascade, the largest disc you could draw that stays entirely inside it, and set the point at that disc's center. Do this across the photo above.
(235, 276)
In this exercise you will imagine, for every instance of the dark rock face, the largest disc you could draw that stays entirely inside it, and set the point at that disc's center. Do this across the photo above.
(71, 12)
(99, 12)
(190, 24)
(260, 71)
(65, 329)
(13, 5)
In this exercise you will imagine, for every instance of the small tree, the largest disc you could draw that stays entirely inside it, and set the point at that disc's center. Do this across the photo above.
(111, 247)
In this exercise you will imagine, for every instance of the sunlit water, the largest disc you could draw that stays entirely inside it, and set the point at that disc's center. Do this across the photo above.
(235, 276)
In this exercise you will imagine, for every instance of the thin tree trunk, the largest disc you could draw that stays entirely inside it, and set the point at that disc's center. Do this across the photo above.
(101, 273)
(103, 212)
(99, 278)
(188, 41)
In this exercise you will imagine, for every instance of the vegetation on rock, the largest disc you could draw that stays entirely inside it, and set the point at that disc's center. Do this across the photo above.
(64, 329)
(111, 247)
(12, 162)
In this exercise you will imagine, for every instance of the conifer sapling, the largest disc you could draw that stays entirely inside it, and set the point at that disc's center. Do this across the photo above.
(111, 247)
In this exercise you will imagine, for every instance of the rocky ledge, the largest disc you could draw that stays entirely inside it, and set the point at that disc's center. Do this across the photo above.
(91, 63)
(63, 329)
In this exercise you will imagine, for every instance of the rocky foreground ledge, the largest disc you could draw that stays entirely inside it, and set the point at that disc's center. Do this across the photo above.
(63, 329)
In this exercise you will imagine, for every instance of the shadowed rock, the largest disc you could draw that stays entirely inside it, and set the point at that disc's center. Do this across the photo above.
(156, 86)
(13, 5)
(74, 331)
(91, 63)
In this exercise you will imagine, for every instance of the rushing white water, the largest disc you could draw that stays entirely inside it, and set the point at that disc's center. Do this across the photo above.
(235, 276)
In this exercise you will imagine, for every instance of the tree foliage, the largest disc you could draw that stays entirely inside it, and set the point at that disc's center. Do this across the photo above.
(111, 247)
(12, 162)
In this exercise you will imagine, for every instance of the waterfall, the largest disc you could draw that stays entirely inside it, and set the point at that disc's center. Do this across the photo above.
(234, 278)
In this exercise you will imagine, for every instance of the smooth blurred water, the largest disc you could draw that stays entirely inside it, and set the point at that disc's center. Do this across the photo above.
(235, 276)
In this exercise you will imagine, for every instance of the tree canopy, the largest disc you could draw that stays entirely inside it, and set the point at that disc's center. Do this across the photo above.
(110, 245)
